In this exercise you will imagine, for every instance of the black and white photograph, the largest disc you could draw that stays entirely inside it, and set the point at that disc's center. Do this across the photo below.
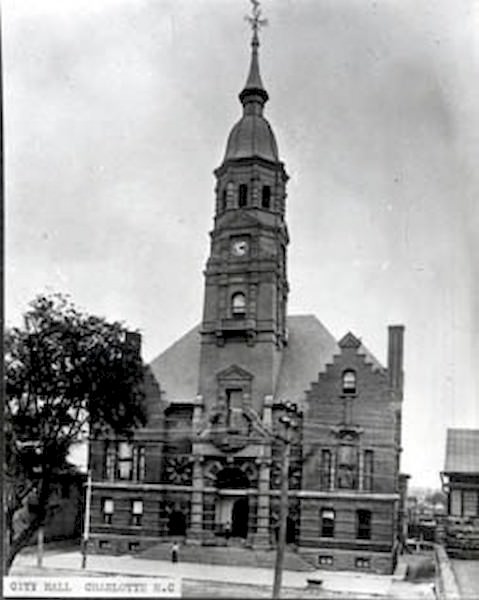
(241, 289)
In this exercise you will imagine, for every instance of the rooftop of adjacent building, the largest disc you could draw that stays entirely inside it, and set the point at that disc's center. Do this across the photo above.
(462, 451)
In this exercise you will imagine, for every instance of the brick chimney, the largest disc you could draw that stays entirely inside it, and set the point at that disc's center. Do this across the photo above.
(133, 339)
(395, 356)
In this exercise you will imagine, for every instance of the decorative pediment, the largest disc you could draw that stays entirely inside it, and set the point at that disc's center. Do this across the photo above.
(350, 341)
(234, 373)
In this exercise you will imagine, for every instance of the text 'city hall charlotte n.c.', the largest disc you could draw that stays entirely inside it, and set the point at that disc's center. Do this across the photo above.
(208, 464)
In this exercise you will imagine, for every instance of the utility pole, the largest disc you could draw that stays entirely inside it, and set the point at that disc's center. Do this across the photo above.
(86, 524)
(289, 424)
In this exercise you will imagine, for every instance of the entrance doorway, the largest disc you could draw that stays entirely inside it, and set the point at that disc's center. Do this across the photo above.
(177, 523)
(239, 518)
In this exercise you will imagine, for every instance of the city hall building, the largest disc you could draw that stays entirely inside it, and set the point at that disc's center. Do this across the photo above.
(207, 467)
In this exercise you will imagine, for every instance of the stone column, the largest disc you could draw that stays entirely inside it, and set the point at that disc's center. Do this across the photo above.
(262, 536)
(195, 532)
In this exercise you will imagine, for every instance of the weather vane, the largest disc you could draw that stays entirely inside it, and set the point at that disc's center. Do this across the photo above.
(255, 19)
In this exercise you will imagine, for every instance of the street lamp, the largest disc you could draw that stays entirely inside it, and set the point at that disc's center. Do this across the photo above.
(289, 425)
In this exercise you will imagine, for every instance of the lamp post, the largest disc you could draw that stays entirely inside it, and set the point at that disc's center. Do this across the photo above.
(289, 424)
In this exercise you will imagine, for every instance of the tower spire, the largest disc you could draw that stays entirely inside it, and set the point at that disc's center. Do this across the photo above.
(253, 90)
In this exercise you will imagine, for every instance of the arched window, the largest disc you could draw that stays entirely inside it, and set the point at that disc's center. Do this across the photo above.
(266, 197)
(327, 519)
(349, 382)
(242, 195)
(238, 305)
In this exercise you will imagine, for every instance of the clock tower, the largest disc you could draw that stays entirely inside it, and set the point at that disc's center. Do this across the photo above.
(244, 319)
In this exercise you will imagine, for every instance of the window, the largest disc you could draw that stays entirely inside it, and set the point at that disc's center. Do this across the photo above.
(134, 546)
(139, 463)
(325, 560)
(234, 404)
(325, 469)
(347, 467)
(224, 200)
(110, 461)
(470, 503)
(456, 503)
(124, 461)
(327, 522)
(363, 521)
(368, 470)
(266, 196)
(238, 305)
(136, 512)
(349, 382)
(243, 195)
(362, 563)
(108, 508)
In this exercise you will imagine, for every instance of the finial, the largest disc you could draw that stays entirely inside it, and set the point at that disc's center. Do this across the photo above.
(255, 20)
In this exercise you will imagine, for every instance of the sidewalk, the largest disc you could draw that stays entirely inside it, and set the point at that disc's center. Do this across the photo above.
(346, 582)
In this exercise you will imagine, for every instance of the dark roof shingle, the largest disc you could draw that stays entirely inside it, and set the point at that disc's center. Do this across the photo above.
(462, 451)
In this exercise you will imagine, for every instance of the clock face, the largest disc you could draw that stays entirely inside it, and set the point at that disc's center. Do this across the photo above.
(239, 247)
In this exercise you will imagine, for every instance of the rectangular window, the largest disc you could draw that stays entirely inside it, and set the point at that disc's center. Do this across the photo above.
(325, 469)
(347, 470)
(363, 522)
(136, 512)
(139, 463)
(234, 402)
(470, 503)
(362, 563)
(327, 522)
(124, 461)
(110, 461)
(368, 470)
(456, 503)
(108, 508)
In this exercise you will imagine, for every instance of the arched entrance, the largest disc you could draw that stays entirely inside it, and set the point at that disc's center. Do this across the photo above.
(232, 506)
(239, 518)
(177, 523)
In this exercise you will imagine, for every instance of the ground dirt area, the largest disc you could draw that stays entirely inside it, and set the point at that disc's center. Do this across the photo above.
(467, 575)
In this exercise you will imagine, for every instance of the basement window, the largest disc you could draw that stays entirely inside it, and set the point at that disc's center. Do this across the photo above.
(324, 559)
(362, 563)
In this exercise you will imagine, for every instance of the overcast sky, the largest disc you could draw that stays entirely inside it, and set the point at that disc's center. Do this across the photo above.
(117, 112)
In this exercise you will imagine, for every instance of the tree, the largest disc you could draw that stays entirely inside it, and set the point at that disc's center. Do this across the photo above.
(66, 373)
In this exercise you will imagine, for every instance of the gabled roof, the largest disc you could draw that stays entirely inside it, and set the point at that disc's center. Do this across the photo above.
(177, 368)
(310, 347)
(462, 451)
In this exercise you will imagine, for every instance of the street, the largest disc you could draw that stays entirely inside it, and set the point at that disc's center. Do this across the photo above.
(226, 581)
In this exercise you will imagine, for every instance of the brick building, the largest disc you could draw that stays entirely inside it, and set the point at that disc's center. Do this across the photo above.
(207, 466)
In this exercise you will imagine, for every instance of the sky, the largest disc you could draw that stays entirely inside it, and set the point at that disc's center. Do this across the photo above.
(117, 111)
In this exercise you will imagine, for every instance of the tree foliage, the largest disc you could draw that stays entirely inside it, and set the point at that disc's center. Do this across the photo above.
(66, 373)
